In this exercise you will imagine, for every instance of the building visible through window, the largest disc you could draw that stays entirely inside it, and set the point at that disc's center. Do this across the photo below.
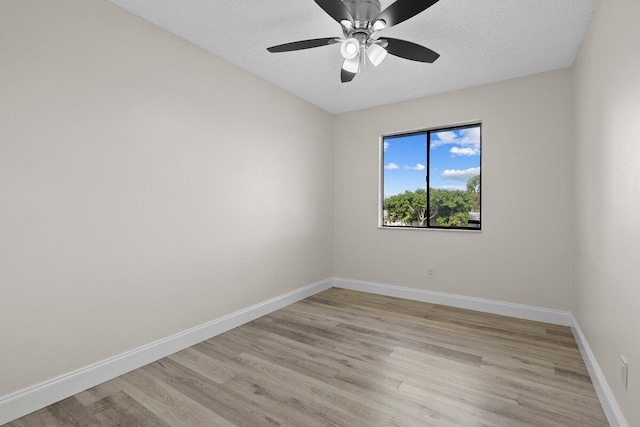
(431, 178)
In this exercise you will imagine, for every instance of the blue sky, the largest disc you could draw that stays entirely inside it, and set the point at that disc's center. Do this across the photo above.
(455, 157)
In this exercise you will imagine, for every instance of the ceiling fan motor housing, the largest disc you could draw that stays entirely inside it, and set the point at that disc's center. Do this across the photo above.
(363, 11)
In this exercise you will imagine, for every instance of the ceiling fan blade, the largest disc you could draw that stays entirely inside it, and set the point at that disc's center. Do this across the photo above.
(401, 10)
(346, 76)
(350, 67)
(408, 50)
(336, 9)
(303, 44)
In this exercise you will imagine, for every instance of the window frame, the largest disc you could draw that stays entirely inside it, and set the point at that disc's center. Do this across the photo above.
(427, 131)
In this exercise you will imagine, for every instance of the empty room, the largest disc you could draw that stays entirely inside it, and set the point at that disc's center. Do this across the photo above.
(320, 213)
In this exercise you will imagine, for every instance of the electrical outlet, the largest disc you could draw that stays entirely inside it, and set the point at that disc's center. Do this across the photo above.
(624, 372)
(431, 273)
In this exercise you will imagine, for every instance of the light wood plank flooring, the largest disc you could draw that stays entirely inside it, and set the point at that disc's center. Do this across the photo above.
(345, 358)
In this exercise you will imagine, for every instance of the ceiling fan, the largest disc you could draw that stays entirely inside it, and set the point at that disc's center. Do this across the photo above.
(360, 20)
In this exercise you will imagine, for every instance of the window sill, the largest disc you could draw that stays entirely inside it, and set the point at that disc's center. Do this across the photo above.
(455, 230)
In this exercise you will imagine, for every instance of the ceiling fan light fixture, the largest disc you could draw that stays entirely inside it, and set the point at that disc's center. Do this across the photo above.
(350, 48)
(376, 54)
(379, 25)
(351, 65)
(347, 24)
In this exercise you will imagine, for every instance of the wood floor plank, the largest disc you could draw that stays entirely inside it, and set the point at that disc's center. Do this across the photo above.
(346, 358)
(120, 409)
(227, 403)
(333, 398)
(297, 404)
(203, 364)
(424, 347)
(453, 334)
(67, 412)
(168, 403)
(286, 402)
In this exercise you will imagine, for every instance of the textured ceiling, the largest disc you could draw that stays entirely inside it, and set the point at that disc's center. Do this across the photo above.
(480, 41)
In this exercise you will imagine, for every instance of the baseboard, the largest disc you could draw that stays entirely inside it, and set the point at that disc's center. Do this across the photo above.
(24, 402)
(556, 317)
(609, 404)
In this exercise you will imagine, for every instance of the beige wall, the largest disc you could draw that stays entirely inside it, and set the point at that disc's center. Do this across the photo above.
(523, 253)
(606, 298)
(146, 186)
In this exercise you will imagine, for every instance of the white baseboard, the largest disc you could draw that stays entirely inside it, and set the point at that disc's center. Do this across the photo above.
(25, 401)
(556, 317)
(609, 404)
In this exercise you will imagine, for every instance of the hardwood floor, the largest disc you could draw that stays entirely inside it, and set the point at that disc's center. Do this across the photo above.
(345, 358)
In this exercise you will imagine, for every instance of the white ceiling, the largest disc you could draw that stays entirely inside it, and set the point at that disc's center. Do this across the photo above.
(480, 41)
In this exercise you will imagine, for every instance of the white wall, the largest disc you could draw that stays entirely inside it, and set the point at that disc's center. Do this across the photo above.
(606, 299)
(523, 254)
(146, 187)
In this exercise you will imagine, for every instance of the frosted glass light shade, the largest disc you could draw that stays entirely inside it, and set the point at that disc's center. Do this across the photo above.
(347, 24)
(376, 54)
(380, 24)
(350, 48)
(351, 65)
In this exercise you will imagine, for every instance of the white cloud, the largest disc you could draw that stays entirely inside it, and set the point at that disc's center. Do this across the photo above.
(386, 145)
(417, 167)
(390, 166)
(446, 136)
(469, 137)
(465, 151)
(460, 175)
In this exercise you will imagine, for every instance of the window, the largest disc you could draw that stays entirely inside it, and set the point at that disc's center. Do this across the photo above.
(431, 179)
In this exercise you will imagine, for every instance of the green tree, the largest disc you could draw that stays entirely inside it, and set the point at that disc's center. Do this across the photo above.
(398, 208)
(473, 188)
(418, 203)
(407, 208)
(449, 208)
